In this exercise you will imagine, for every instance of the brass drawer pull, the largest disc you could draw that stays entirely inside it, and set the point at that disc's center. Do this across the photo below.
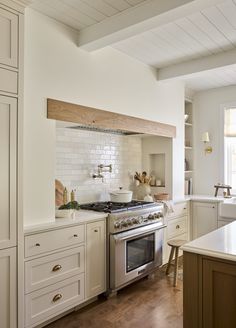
(37, 244)
(185, 208)
(75, 235)
(96, 230)
(177, 227)
(56, 268)
(56, 298)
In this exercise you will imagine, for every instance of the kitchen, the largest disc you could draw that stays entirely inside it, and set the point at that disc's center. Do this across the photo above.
(109, 79)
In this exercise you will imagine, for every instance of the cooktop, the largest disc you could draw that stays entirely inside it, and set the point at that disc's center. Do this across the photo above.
(112, 207)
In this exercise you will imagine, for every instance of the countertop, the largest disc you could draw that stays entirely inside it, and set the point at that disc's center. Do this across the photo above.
(205, 198)
(220, 243)
(81, 216)
(202, 198)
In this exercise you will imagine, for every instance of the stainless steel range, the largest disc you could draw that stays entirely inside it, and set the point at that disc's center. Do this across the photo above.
(135, 239)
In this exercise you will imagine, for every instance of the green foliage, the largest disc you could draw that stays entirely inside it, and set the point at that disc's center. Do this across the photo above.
(70, 206)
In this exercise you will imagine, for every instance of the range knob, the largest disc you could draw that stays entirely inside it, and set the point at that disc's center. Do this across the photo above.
(135, 221)
(129, 222)
(124, 223)
(140, 219)
(117, 225)
(151, 217)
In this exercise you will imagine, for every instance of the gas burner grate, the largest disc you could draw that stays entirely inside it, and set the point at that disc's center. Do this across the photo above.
(112, 207)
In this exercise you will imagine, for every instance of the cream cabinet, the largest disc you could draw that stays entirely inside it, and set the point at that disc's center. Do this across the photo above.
(204, 218)
(64, 267)
(8, 167)
(178, 226)
(95, 259)
(8, 38)
(8, 292)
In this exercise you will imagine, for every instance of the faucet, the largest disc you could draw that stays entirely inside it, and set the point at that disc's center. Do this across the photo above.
(102, 168)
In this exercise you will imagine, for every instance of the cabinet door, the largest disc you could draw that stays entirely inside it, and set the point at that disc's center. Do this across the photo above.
(8, 38)
(204, 218)
(95, 258)
(218, 294)
(8, 137)
(8, 294)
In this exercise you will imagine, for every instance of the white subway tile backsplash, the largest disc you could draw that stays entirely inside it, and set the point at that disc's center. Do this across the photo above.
(79, 152)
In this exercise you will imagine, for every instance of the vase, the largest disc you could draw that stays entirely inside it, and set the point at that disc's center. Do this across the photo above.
(142, 190)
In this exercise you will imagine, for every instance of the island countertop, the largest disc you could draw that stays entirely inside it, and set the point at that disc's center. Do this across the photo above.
(220, 243)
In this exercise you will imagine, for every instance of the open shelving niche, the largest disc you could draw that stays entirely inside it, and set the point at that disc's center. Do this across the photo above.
(188, 148)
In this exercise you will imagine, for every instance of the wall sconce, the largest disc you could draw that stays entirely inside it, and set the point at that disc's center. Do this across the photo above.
(206, 139)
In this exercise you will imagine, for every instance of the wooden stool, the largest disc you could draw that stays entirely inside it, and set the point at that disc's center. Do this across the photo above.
(175, 244)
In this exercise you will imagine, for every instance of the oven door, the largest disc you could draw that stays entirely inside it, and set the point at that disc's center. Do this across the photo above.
(134, 253)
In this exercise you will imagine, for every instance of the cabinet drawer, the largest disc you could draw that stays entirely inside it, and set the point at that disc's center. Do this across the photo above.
(52, 240)
(180, 209)
(47, 302)
(176, 227)
(51, 269)
(8, 81)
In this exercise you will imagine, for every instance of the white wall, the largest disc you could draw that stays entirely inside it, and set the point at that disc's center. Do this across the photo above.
(207, 117)
(106, 79)
(78, 154)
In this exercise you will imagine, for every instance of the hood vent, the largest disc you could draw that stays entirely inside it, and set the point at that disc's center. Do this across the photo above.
(110, 131)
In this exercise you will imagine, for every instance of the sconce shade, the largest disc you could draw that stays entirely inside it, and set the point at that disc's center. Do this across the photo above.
(205, 137)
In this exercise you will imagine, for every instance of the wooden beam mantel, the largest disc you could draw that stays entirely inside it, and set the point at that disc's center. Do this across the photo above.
(97, 118)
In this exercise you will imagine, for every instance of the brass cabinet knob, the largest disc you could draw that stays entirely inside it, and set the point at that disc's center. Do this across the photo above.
(177, 227)
(96, 230)
(75, 235)
(37, 244)
(56, 268)
(56, 298)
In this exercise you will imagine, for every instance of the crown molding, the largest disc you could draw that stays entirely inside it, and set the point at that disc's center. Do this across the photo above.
(18, 5)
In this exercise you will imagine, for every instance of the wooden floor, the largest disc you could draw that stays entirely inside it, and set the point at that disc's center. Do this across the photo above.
(149, 303)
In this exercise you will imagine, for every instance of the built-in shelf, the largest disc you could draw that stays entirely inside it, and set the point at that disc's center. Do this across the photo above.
(162, 186)
(188, 149)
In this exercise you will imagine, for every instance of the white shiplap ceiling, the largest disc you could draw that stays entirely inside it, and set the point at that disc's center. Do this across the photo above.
(216, 78)
(204, 33)
(79, 14)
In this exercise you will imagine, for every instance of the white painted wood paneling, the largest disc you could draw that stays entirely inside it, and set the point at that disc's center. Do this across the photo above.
(79, 14)
(200, 34)
(8, 38)
(95, 259)
(8, 142)
(8, 288)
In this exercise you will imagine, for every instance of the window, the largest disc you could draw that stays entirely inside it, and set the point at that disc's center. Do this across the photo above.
(230, 147)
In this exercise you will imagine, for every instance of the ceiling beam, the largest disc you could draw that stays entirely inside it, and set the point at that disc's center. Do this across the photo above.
(139, 19)
(183, 69)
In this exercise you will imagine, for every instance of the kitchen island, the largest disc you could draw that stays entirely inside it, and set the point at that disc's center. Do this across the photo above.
(210, 280)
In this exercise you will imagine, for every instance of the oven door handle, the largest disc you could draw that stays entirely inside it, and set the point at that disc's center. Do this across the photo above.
(130, 234)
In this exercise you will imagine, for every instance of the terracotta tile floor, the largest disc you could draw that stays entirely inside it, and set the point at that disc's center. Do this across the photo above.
(148, 303)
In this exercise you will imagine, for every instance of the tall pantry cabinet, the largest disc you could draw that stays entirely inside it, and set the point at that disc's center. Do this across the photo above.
(11, 30)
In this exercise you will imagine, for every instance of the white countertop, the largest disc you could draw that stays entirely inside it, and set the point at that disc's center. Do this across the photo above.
(220, 243)
(198, 198)
(81, 216)
(204, 198)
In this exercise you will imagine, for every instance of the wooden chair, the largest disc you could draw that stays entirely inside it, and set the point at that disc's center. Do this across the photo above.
(175, 244)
